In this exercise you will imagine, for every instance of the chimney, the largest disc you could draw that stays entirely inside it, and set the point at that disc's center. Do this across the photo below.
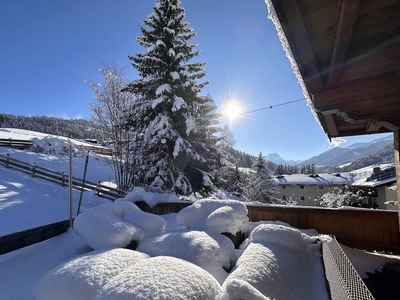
(376, 170)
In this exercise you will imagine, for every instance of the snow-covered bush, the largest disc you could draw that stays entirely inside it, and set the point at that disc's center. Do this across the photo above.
(53, 145)
(217, 216)
(83, 277)
(116, 224)
(212, 252)
(162, 277)
(280, 262)
(152, 199)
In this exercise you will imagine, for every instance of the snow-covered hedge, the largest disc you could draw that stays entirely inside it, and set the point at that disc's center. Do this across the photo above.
(214, 216)
(280, 262)
(162, 277)
(83, 277)
(212, 252)
(53, 145)
(116, 224)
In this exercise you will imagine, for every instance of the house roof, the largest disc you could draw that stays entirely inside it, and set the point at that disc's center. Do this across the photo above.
(383, 177)
(346, 57)
(305, 179)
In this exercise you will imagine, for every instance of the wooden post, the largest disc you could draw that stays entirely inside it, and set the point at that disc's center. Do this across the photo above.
(396, 137)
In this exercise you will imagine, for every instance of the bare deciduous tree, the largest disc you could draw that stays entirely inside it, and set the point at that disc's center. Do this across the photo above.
(108, 113)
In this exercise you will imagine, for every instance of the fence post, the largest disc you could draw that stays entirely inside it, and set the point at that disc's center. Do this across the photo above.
(10, 142)
(98, 188)
(63, 178)
(33, 168)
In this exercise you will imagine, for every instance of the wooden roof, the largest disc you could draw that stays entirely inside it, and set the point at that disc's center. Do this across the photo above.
(348, 54)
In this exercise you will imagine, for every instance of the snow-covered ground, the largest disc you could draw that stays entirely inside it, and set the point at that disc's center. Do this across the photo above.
(179, 256)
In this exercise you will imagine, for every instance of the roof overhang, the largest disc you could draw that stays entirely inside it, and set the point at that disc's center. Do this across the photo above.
(346, 56)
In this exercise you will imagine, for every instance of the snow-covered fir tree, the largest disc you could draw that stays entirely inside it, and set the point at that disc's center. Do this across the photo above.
(261, 185)
(176, 153)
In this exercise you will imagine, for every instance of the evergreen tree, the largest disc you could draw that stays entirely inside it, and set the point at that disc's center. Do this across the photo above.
(261, 185)
(174, 152)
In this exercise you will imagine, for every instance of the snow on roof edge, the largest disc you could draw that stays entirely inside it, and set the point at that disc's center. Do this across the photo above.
(289, 54)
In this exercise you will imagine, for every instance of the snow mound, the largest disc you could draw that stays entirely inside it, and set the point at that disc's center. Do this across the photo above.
(276, 256)
(212, 252)
(53, 145)
(152, 199)
(83, 277)
(285, 236)
(214, 215)
(241, 290)
(162, 277)
(116, 225)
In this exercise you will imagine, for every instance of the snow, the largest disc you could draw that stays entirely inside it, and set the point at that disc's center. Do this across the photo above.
(217, 216)
(169, 30)
(163, 88)
(116, 225)
(179, 256)
(178, 103)
(84, 277)
(152, 199)
(190, 125)
(212, 252)
(174, 75)
(276, 256)
(177, 147)
(325, 179)
(162, 277)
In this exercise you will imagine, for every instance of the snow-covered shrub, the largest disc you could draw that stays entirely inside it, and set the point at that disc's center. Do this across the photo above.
(116, 224)
(280, 262)
(162, 277)
(53, 145)
(83, 277)
(212, 252)
(217, 216)
(152, 199)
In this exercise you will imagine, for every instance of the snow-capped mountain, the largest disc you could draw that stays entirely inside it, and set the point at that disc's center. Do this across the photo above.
(277, 159)
(345, 155)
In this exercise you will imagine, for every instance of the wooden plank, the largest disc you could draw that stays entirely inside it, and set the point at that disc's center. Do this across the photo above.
(296, 33)
(346, 17)
(358, 93)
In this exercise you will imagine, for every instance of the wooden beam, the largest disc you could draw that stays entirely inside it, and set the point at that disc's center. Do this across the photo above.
(345, 18)
(358, 93)
(396, 137)
(372, 126)
(296, 33)
(330, 125)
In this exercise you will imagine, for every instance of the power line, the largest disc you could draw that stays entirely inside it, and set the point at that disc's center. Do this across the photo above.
(272, 106)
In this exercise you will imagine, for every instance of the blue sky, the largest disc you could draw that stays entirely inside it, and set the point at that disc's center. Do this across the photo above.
(49, 47)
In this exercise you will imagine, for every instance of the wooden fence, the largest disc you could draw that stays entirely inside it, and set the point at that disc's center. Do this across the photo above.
(60, 178)
(369, 229)
(25, 144)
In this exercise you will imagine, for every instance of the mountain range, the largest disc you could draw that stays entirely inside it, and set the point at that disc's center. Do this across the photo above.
(344, 158)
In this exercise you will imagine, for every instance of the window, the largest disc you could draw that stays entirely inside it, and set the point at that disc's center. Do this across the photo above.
(302, 198)
(321, 187)
(283, 187)
(283, 197)
(302, 187)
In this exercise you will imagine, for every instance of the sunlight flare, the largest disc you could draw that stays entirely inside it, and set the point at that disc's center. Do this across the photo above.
(233, 110)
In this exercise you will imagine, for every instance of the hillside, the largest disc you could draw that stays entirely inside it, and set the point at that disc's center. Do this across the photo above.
(72, 128)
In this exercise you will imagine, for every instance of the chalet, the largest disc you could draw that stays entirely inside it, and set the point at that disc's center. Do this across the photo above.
(306, 190)
(377, 190)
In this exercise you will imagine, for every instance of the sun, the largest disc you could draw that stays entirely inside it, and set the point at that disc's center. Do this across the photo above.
(233, 110)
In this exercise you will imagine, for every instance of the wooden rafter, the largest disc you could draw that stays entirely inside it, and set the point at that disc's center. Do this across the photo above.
(301, 43)
(346, 17)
